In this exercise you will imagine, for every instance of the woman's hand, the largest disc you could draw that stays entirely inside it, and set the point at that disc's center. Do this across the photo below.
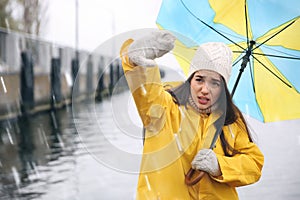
(207, 161)
(142, 52)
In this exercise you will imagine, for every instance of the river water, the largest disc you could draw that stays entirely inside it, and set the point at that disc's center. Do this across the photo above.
(48, 156)
(92, 151)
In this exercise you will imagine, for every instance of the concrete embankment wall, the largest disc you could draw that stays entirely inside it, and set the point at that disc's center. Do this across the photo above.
(12, 104)
(36, 75)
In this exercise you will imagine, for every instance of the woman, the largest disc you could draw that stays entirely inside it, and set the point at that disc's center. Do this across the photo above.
(179, 121)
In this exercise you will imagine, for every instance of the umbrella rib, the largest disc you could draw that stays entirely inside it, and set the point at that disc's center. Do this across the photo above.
(270, 55)
(275, 34)
(237, 61)
(277, 56)
(209, 25)
(291, 56)
(272, 72)
(220, 33)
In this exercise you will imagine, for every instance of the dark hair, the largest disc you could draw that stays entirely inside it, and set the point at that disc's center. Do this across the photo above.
(181, 95)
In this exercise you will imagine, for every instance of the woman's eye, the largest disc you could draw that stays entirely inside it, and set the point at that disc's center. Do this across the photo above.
(215, 83)
(199, 79)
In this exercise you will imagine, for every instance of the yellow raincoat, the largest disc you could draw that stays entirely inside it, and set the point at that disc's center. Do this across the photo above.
(174, 135)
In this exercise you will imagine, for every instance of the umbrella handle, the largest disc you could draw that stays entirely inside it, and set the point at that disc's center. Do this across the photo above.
(190, 180)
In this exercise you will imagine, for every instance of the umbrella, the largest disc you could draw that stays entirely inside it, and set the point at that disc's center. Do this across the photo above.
(264, 37)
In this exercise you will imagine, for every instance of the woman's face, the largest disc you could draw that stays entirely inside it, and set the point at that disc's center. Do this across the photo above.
(205, 88)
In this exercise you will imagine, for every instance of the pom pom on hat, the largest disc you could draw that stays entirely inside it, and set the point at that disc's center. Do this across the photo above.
(214, 56)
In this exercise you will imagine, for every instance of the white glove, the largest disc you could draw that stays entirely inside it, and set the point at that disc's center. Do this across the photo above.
(142, 52)
(207, 161)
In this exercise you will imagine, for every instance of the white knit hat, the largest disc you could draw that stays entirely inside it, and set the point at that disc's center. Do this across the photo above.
(215, 56)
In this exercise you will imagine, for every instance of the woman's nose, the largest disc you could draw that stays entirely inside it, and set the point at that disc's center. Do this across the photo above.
(204, 88)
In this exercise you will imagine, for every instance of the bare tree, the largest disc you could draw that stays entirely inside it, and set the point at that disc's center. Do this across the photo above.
(33, 15)
(7, 20)
(27, 16)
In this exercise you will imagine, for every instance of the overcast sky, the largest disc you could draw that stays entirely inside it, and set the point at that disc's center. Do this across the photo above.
(99, 20)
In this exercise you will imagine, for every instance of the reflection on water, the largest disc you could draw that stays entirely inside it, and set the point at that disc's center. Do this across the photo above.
(47, 157)
(36, 153)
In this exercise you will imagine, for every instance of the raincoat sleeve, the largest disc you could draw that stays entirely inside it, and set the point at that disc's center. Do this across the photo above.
(149, 95)
(245, 167)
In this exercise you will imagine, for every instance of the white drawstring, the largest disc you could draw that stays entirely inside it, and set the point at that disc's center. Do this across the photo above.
(178, 142)
(232, 135)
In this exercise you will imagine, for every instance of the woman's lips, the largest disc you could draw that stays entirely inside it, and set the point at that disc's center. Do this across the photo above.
(203, 100)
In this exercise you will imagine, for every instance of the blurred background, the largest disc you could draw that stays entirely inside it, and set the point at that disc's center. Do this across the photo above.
(68, 125)
(92, 21)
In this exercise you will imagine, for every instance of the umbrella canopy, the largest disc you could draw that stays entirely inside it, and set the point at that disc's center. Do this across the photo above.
(264, 37)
